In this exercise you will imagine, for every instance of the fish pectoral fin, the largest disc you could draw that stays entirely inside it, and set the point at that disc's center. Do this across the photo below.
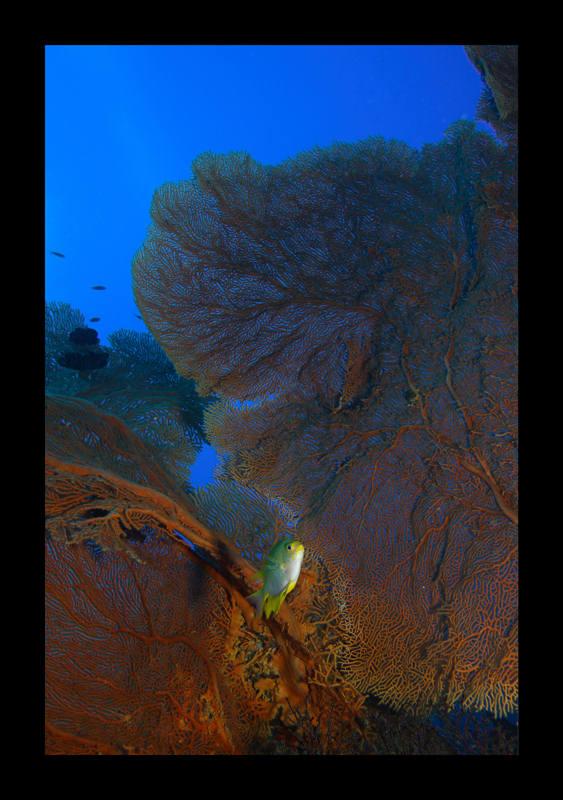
(272, 565)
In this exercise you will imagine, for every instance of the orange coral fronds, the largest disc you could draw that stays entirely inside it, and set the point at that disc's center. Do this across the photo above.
(152, 647)
(368, 306)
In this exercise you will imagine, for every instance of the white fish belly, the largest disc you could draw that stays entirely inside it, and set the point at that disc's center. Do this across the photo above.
(295, 567)
(277, 581)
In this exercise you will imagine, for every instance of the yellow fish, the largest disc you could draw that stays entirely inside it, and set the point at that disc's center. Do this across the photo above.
(279, 575)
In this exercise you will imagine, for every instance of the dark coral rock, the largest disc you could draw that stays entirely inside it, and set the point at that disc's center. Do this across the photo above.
(83, 361)
(84, 336)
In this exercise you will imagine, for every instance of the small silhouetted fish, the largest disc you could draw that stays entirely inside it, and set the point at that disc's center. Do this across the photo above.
(95, 319)
(138, 316)
(60, 255)
(98, 287)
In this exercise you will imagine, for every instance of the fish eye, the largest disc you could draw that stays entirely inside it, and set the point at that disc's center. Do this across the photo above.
(289, 547)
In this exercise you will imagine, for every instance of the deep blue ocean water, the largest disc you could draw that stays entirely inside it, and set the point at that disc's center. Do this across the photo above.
(122, 120)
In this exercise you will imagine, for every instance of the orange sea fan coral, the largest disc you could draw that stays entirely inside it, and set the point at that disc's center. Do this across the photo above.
(132, 655)
(151, 646)
(498, 64)
(368, 292)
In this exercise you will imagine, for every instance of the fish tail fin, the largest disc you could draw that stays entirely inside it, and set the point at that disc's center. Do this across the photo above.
(257, 600)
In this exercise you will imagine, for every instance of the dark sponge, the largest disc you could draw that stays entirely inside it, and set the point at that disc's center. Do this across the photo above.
(83, 361)
(84, 336)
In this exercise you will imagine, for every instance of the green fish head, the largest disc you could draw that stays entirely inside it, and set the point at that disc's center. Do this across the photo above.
(286, 551)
